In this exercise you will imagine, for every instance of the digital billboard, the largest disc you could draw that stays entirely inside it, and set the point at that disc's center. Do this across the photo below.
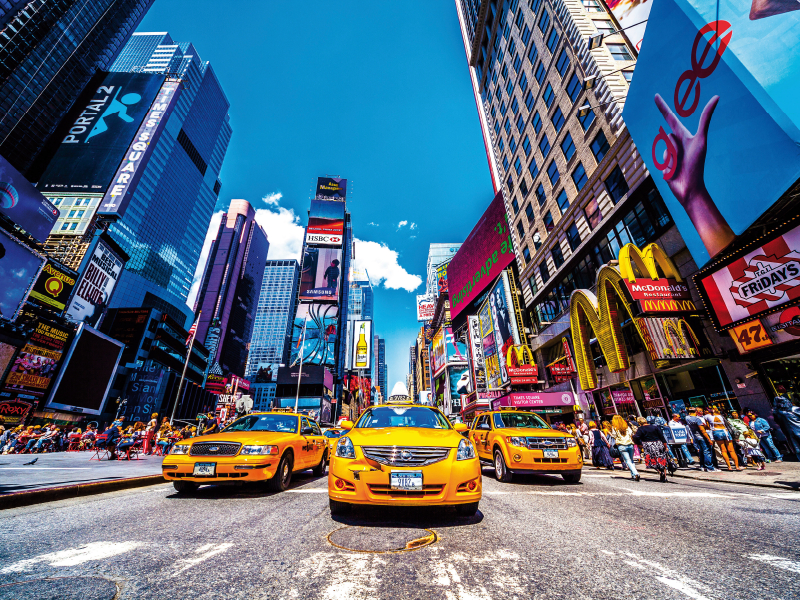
(484, 254)
(477, 361)
(460, 385)
(129, 327)
(426, 308)
(320, 322)
(19, 267)
(499, 330)
(266, 372)
(24, 204)
(118, 196)
(753, 281)
(331, 188)
(85, 378)
(446, 350)
(321, 274)
(713, 107)
(441, 277)
(144, 392)
(325, 223)
(361, 350)
(100, 271)
(38, 361)
(53, 286)
(101, 130)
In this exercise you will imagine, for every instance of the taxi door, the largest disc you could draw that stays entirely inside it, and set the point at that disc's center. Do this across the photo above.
(320, 443)
(480, 436)
(308, 444)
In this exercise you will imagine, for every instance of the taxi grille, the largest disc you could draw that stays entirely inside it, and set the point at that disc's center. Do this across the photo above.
(543, 443)
(427, 490)
(214, 449)
(405, 456)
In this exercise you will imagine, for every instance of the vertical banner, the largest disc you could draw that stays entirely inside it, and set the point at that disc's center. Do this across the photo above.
(362, 345)
(144, 392)
(476, 354)
(96, 283)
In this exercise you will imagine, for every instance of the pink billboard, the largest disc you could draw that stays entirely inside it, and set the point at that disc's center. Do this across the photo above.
(484, 254)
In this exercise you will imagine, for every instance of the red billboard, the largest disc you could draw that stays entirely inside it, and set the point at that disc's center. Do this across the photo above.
(484, 254)
(325, 223)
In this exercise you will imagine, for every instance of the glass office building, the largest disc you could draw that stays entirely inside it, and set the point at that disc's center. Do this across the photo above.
(48, 53)
(360, 307)
(381, 374)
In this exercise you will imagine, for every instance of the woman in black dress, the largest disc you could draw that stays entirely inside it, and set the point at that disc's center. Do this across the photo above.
(601, 457)
(654, 448)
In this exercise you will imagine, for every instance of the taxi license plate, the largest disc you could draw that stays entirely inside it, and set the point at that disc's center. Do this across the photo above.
(406, 480)
(204, 470)
(550, 453)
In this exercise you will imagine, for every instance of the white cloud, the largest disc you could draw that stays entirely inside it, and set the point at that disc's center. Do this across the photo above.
(373, 224)
(380, 262)
(284, 231)
(272, 199)
(413, 226)
(402, 224)
(213, 227)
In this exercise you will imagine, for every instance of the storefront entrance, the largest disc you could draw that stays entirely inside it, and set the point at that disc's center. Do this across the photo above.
(702, 384)
(783, 376)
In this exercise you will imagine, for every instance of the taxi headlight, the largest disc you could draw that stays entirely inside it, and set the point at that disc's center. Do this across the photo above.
(571, 442)
(259, 450)
(465, 450)
(345, 448)
(517, 441)
(180, 449)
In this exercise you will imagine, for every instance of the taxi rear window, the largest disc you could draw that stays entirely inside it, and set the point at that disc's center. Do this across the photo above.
(332, 434)
(401, 416)
(277, 423)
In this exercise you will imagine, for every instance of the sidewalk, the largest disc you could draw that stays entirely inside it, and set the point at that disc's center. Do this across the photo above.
(783, 475)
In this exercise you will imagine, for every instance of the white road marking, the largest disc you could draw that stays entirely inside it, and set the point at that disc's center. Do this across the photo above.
(74, 556)
(674, 579)
(666, 494)
(682, 587)
(208, 551)
(44, 468)
(777, 561)
(309, 491)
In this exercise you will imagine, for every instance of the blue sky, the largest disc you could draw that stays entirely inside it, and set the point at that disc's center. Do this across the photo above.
(376, 92)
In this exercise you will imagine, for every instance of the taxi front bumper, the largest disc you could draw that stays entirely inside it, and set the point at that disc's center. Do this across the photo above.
(228, 469)
(447, 482)
(524, 460)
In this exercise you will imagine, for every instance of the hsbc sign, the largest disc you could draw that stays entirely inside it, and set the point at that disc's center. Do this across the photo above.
(324, 240)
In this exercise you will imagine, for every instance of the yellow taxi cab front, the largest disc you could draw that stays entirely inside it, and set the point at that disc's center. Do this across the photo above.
(259, 447)
(332, 436)
(515, 441)
(404, 455)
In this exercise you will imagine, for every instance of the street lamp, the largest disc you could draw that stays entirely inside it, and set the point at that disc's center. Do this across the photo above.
(596, 40)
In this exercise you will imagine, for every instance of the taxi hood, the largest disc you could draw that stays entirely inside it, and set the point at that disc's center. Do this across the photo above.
(245, 437)
(405, 436)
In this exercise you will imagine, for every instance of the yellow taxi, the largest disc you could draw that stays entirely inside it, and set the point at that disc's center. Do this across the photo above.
(332, 436)
(515, 441)
(404, 454)
(259, 447)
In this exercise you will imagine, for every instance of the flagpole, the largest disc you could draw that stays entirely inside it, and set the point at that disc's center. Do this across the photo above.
(300, 371)
(185, 366)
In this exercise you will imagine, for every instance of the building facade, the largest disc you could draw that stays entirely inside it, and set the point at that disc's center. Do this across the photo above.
(381, 372)
(230, 289)
(49, 51)
(360, 307)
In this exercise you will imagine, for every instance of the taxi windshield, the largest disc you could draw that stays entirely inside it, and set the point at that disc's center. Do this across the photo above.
(512, 419)
(278, 423)
(403, 416)
(332, 433)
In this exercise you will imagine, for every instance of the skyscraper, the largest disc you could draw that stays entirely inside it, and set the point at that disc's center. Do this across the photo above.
(269, 342)
(230, 290)
(380, 370)
(171, 195)
(360, 306)
(49, 52)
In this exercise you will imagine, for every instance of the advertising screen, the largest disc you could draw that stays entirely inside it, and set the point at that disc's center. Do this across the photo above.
(38, 361)
(53, 286)
(7, 352)
(24, 204)
(266, 373)
(362, 345)
(13, 412)
(331, 188)
(484, 254)
(321, 322)
(477, 361)
(752, 282)
(100, 272)
(128, 327)
(441, 277)
(118, 196)
(321, 274)
(325, 223)
(715, 114)
(440, 389)
(632, 16)
(460, 384)
(19, 267)
(144, 393)
(101, 130)
(426, 308)
(499, 329)
(87, 373)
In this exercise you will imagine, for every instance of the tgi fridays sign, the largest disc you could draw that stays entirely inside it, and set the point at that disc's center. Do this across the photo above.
(96, 284)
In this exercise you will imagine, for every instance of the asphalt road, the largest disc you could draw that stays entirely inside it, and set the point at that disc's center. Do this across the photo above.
(537, 537)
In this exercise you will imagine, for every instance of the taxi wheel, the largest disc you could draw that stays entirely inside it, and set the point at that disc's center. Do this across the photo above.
(501, 472)
(341, 508)
(283, 476)
(319, 470)
(184, 486)
(467, 510)
(571, 477)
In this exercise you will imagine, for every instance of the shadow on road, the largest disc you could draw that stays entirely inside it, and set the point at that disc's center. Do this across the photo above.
(426, 517)
(527, 480)
(244, 490)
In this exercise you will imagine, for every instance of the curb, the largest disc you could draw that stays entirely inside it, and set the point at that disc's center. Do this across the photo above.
(750, 483)
(17, 499)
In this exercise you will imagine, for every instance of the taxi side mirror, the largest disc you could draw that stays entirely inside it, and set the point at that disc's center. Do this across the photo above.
(484, 427)
(307, 431)
(460, 427)
(346, 424)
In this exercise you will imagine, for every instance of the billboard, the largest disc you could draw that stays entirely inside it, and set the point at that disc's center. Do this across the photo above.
(476, 354)
(266, 372)
(87, 373)
(38, 361)
(460, 385)
(632, 16)
(776, 328)
(19, 267)
(426, 308)
(100, 271)
(54, 286)
(446, 350)
(362, 345)
(13, 412)
(101, 130)
(116, 199)
(144, 392)
(321, 274)
(24, 204)
(331, 188)
(716, 115)
(7, 352)
(669, 338)
(441, 278)
(484, 254)
(319, 343)
(325, 223)
(128, 327)
(753, 281)
(499, 330)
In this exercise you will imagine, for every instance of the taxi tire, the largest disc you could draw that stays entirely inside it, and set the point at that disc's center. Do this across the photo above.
(572, 477)
(467, 510)
(339, 508)
(183, 487)
(502, 474)
(319, 470)
(280, 483)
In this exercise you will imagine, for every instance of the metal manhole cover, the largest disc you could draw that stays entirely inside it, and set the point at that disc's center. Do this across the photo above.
(765, 473)
(381, 539)
(59, 588)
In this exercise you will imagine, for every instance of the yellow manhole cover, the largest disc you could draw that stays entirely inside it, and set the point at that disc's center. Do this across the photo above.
(381, 539)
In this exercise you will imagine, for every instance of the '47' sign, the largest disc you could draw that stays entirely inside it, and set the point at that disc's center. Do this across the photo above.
(750, 336)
